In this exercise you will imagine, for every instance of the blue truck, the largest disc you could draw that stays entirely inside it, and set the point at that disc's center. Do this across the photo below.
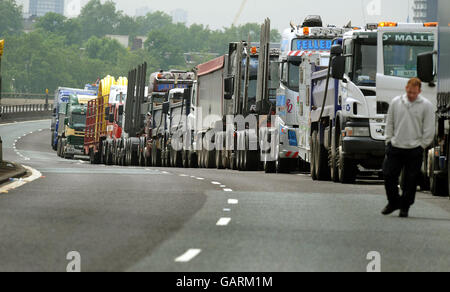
(62, 97)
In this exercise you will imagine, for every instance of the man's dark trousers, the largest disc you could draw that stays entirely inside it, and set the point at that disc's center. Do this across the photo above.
(409, 160)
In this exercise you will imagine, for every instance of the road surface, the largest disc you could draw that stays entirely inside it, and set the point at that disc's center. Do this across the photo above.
(193, 220)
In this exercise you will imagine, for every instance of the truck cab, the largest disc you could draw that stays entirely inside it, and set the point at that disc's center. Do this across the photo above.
(399, 46)
(73, 115)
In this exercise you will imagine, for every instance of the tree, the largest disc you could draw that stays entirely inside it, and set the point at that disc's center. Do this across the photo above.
(10, 17)
(98, 19)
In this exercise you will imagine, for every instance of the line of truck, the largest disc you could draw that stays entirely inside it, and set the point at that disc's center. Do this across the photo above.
(315, 103)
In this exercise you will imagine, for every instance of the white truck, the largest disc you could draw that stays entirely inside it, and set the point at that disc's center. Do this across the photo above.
(399, 46)
(434, 66)
(307, 39)
(341, 113)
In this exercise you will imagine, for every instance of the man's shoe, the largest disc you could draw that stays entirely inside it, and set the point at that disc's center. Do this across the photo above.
(389, 209)
(404, 213)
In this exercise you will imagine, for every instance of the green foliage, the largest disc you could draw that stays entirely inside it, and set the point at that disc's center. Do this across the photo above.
(10, 17)
(73, 52)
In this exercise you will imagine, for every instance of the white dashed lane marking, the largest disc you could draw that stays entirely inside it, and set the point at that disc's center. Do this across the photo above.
(227, 190)
(233, 202)
(223, 221)
(188, 256)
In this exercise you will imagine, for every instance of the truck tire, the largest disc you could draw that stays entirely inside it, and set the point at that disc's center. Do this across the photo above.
(156, 155)
(185, 158)
(322, 168)
(58, 147)
(282, 165)
(270, 167)
(438, 182)
(347, 167)
(133, 148)
(141, 157)
(313, 155)
(219, 159)
(109, 154)
(334, 170)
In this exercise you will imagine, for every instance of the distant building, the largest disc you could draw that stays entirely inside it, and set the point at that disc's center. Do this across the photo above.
(425, 11)
(179, 16)
(41, 7)
(143, 11)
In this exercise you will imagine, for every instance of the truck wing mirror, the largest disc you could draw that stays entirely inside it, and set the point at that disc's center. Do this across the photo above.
(425, 67)
(107, 110)
(111, 118)
(338, 67)
(229, 86)
(336, 50)
(166, 107)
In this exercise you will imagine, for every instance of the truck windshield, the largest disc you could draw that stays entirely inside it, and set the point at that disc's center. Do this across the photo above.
(400, 52)
(365, 63)
(294, 75)
(79, 120)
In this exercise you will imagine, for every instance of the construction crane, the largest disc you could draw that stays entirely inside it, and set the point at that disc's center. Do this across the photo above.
(238, 15)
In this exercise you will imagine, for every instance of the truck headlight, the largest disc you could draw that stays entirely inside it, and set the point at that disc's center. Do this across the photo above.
(357, 132)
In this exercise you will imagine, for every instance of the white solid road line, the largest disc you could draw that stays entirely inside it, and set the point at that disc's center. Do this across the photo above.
(15, 123)
(223, 221)
(233, 202)
(20, 182)
(188, 256)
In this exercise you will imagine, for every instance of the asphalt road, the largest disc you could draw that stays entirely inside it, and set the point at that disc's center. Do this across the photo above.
(187, 220)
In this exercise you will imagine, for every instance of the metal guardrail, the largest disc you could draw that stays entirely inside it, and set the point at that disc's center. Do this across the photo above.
(24, 108)
(25, 112)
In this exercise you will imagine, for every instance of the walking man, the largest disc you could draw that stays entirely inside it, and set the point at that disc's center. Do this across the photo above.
(410, 130)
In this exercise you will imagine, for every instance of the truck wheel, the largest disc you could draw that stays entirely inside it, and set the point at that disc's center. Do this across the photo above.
(322, 168)
(281, 165)
(270, 167)
(185, 158)
(438, 182)
(209, 159)
(347, 167)
(219, 160)
(58, 147)
(63, 146)
(334, 171)
(313, 155)
(200, 159)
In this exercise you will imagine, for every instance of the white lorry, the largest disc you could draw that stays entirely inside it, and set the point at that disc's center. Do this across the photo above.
(341, 114)
(399, 44)
(307, 39)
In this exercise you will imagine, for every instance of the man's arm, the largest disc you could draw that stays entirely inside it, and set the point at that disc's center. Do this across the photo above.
(390, 123)
(429, 126)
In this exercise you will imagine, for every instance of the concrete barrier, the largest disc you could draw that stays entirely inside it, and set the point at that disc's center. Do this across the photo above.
(25, 112)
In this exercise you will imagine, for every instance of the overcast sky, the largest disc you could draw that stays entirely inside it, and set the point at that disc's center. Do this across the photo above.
(218, 14)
